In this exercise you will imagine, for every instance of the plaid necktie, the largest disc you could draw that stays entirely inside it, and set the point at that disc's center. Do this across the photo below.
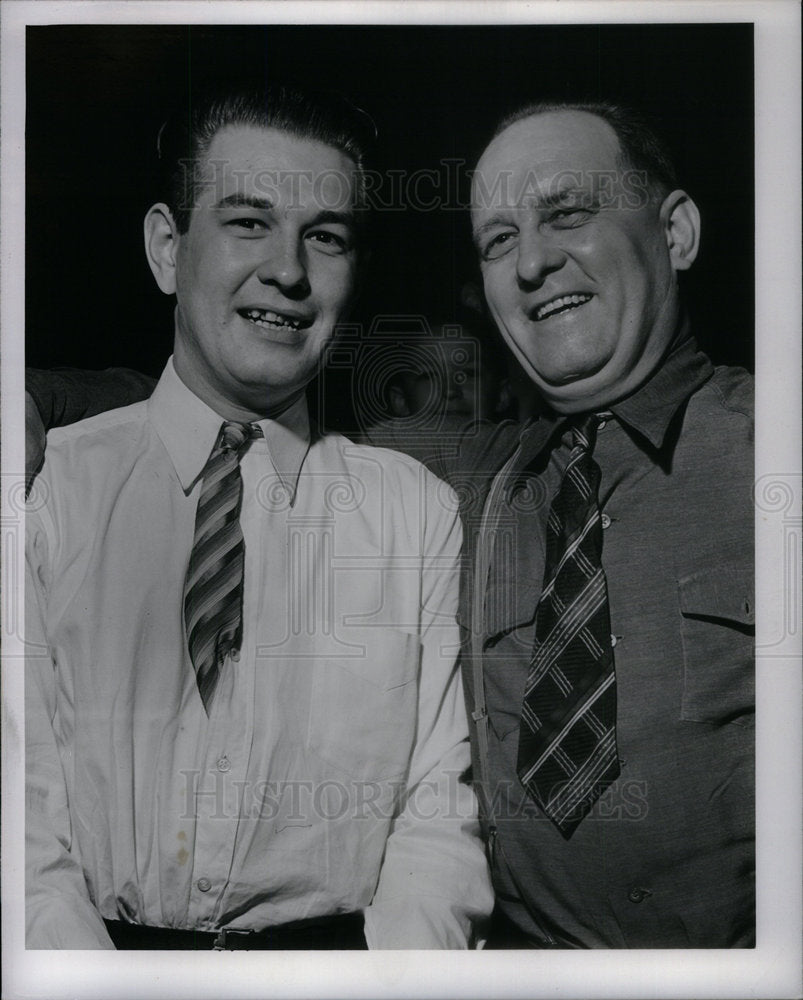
(213, 590)
(567, 741)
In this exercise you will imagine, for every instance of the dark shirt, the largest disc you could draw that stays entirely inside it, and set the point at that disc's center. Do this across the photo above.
(666, 857)
(66, 395)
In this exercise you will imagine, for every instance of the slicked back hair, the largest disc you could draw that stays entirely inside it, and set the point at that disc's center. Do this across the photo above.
(184, 139)
(640, 146)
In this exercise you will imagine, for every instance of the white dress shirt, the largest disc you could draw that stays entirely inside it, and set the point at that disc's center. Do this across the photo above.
(326, 778)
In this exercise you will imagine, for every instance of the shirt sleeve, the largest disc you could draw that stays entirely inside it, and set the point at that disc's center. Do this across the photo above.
(59, 912)
(66, 395)
(434, 889)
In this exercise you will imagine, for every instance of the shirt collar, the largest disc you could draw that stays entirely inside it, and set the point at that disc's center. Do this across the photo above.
(188, 429)
(650, 409)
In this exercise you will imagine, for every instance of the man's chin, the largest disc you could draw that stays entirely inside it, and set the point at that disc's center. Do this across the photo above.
(574, 391)
(565, 376)
(569, 378)
(260, 391)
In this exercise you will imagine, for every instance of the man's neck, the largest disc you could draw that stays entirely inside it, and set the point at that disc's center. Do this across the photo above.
(603, 402)
(235, 410)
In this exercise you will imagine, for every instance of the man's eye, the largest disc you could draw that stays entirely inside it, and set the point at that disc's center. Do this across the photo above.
(568, 217)
(248, 223)
(329, 241)
(497, 245)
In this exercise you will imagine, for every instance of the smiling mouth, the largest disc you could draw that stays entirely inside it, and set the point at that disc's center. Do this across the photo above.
(559, 305)
(274, 321)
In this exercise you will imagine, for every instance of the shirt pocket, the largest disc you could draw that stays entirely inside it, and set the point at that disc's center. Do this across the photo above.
(718, 634)
(363, 709)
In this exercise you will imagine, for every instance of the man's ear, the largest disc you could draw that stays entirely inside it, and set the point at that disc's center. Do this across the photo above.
(681, 222)
(161, 243)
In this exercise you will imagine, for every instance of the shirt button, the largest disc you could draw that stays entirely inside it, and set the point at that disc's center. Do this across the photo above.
(203, 884)
(614, 640)
(606, 521)
(224, 764)
(636, 895)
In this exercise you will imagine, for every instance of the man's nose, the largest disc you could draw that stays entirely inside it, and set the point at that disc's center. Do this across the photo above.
(284, 265)
(538, 256)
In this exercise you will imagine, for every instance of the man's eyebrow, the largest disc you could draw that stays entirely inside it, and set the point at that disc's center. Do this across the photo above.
(567, 195)
(552, 199)
(492, 223)
(240, 200)
(345, 218)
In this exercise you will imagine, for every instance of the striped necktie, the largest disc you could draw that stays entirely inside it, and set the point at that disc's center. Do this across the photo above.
(567, 741)
(213, 589)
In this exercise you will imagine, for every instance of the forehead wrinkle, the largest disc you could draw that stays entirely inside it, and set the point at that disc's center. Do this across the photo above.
(560, 197)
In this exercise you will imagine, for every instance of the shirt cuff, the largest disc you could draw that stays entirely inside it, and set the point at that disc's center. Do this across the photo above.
(420, 922)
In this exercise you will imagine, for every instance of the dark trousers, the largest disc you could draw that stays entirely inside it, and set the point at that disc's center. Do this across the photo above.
(504, 934)
(341, 933)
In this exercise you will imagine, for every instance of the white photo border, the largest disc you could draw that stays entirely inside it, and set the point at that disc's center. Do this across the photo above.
(773, 968)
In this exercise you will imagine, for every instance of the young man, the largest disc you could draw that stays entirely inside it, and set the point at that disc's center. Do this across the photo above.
(609, 606)
(245, 728)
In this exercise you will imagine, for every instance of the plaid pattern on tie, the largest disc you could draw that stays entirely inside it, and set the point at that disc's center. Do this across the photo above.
(567, 741)
(213, 589)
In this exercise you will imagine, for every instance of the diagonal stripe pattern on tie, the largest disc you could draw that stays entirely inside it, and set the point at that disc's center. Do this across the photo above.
(567, 738)
(213, 589)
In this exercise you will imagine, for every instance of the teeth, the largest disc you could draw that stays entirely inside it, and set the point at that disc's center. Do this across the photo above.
(556, 305)
(268, 318)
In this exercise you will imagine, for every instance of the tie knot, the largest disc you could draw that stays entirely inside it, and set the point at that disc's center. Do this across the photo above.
(584, 432)
(233, 435)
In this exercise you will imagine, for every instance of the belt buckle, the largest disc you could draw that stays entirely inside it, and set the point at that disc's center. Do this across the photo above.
(223, 943)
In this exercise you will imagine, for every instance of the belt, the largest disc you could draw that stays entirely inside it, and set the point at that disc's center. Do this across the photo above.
(340, 933)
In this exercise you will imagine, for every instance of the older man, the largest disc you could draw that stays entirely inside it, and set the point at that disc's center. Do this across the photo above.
(608, 604)
(245, 727)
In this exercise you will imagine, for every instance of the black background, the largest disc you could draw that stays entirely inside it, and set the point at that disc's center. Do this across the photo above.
(96, 96)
